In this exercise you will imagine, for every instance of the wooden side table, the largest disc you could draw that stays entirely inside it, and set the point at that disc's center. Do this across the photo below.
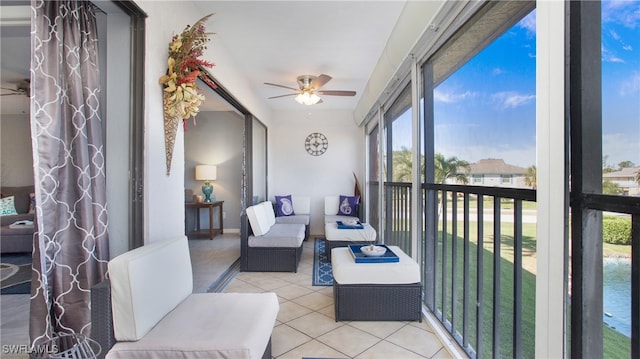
(211, 232)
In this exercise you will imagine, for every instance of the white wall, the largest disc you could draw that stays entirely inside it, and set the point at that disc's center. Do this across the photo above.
(16, 153)
(293, 171)
(164, 194)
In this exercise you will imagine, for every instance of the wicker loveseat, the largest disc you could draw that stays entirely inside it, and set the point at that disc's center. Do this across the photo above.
(147, 310)
(271, 246)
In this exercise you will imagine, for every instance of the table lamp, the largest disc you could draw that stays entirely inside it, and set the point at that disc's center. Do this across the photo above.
(206, 173)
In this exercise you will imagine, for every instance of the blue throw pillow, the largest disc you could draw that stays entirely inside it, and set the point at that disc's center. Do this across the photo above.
(284, 206)
(348, 206)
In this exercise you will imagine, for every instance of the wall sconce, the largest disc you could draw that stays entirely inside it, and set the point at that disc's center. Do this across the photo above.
(207, 173)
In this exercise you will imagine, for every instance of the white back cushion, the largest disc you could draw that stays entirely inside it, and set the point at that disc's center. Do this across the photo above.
(146, 284)
(301, 204)
(331, 204)
(258, 219)
(268, 211)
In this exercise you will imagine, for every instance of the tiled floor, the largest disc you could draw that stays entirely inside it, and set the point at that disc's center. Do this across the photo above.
(306, 325)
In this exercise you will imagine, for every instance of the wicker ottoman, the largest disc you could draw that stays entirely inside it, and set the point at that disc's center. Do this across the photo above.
(336, 237)
(376, 291)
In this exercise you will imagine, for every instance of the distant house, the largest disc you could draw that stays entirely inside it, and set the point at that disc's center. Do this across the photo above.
(625, 179)
(496, 173)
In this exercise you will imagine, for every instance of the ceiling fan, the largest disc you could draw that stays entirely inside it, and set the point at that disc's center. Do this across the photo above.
(309, 89)
(22, 88)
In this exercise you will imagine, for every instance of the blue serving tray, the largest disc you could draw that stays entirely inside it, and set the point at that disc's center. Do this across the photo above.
(359, 257)
(349, 226)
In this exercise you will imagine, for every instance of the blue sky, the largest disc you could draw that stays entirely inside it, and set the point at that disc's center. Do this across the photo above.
(486, 109)
(621, 81)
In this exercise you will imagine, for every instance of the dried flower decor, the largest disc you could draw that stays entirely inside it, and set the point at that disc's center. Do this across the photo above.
(181, 99)
(183, 69)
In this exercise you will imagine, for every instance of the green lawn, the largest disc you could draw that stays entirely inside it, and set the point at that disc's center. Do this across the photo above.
(616, 345)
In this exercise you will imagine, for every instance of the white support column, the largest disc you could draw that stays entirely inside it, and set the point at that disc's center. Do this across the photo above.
(416, 200)
(382, 144)
(551, 197)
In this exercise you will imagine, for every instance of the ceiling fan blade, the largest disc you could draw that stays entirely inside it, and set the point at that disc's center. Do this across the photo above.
(336, 93)
(283, 86)
(319, 81)
(290, 94)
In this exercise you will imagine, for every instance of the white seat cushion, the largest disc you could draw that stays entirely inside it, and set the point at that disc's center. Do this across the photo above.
(209, 325)
(146, 284)
(347, 271)
(366, 234)
(280, 235)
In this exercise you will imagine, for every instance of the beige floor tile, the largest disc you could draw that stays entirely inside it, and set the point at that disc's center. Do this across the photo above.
(314, 324)
(417, 340)
(291, 291)
(326, 291)
(349, 340)
(285, 338)
(329, 311)
(442, 354)
(313, 349)
(270, 284)
(423, 325)
(242, 287)
(314, 300)
(386, 350)
(290, 310)
(379, 329)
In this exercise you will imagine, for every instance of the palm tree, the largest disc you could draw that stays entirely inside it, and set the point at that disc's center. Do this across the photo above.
(530, 177)
(450, 168)
(402, 165)
(609, 187)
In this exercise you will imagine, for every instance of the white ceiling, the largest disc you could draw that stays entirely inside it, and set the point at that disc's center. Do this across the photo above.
(276, 41)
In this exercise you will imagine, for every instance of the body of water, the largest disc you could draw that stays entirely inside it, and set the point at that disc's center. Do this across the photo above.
(617, 294)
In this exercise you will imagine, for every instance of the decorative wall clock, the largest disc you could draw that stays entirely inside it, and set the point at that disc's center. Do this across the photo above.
(316, 144)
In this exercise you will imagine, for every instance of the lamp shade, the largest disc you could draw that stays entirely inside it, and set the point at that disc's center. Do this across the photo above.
(205, 173)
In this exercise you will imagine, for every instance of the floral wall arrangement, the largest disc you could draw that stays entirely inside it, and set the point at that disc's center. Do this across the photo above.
(181, 99)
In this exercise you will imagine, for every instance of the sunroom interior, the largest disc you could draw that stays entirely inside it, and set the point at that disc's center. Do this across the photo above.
(489, 305)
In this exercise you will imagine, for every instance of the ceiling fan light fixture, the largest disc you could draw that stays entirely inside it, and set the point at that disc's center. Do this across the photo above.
(307, 98)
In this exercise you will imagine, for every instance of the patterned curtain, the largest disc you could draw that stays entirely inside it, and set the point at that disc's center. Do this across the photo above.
(71, 248)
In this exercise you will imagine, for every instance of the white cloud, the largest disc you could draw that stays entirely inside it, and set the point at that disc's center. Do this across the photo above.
(497, 71)
(623, 12)
(510, 99)
(631, 87)
(451, 97)
(614, 34)
(608, 56)
(529, 23)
